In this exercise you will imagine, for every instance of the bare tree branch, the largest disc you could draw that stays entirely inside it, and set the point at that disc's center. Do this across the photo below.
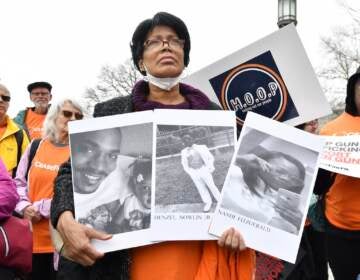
(342, 57)
(352, 12)
(112, 82)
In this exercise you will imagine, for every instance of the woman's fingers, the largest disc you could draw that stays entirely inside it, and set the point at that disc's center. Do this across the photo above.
(242, 245)
(95, 234)
(235, 241)
(81, 251)
(232, 239)
(77, 240)
(229, 238)
(221, 241)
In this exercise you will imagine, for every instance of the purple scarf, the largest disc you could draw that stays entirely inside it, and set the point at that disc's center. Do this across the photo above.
(195, 99)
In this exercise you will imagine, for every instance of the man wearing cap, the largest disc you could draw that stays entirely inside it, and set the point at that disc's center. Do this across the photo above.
(13, 140)
(31, 119)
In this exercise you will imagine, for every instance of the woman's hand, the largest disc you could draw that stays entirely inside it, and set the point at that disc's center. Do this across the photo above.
(31, 213)
(77, 237)
(232, 239)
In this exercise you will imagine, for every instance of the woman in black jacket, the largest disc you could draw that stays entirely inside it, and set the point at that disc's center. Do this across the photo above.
(160, 50)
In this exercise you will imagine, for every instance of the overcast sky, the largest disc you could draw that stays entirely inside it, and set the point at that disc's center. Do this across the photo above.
(66, 42)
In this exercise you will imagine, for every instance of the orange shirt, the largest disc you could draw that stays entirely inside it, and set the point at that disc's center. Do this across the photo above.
(34, 123)
(42, 173)
(177, 260)
(343, 198)
(191, 260)
(345, 124)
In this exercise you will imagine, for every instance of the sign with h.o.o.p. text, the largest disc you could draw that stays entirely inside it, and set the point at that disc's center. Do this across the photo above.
(272, 77)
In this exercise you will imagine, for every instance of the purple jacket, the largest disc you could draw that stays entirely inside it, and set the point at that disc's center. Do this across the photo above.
(8, 194)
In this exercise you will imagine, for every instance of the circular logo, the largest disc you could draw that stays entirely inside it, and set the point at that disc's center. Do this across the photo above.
(254, 87)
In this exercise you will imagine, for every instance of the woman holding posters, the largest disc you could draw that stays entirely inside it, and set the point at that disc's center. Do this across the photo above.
(35, 181)
(160, 49)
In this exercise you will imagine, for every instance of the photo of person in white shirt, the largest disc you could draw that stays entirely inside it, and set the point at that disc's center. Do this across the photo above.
(198, 163)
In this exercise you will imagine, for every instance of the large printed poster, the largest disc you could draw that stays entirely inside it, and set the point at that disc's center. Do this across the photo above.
(267, 191)
(112, 177)
(193, 153)
(272, 77)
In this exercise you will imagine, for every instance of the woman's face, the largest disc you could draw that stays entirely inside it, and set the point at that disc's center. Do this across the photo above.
(4, 105)
(61, 121)
(163, 60)
(311, 126)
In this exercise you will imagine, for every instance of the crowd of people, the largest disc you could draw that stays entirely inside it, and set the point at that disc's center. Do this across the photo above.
(36, 182)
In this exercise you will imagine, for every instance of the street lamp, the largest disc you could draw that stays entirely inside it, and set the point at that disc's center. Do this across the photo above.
(286, 12)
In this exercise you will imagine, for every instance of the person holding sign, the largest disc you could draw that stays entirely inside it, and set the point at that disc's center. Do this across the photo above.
(160, 49)
(342, 200)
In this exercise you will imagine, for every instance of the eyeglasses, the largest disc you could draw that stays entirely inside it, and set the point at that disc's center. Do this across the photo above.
(40, 93)
(69, 115)
(5, 98)
(173, 43)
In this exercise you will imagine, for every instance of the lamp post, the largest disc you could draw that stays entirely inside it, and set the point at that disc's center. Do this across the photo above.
(286, 12)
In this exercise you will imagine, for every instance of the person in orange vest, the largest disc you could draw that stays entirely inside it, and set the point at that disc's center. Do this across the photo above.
(35, 181)
(31, 119)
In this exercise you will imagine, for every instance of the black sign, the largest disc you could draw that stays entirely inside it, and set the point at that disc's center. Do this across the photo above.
(257, 86)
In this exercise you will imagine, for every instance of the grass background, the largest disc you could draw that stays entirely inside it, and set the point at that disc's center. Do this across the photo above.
(174, 185)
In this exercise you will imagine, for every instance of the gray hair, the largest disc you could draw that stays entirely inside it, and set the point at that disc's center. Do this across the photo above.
(50, 128)
(5, 89)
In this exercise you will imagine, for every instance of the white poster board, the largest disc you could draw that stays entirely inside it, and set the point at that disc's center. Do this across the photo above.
(341, 154)
(267, 191)
(112, 177)
(193, 153)
(272, 77)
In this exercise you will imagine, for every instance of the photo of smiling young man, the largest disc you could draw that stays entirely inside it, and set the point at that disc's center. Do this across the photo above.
(112, 178)
(94, 157)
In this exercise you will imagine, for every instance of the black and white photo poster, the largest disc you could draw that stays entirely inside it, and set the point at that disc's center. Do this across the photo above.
(112, 177)
(269, 185)
(193, 154)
